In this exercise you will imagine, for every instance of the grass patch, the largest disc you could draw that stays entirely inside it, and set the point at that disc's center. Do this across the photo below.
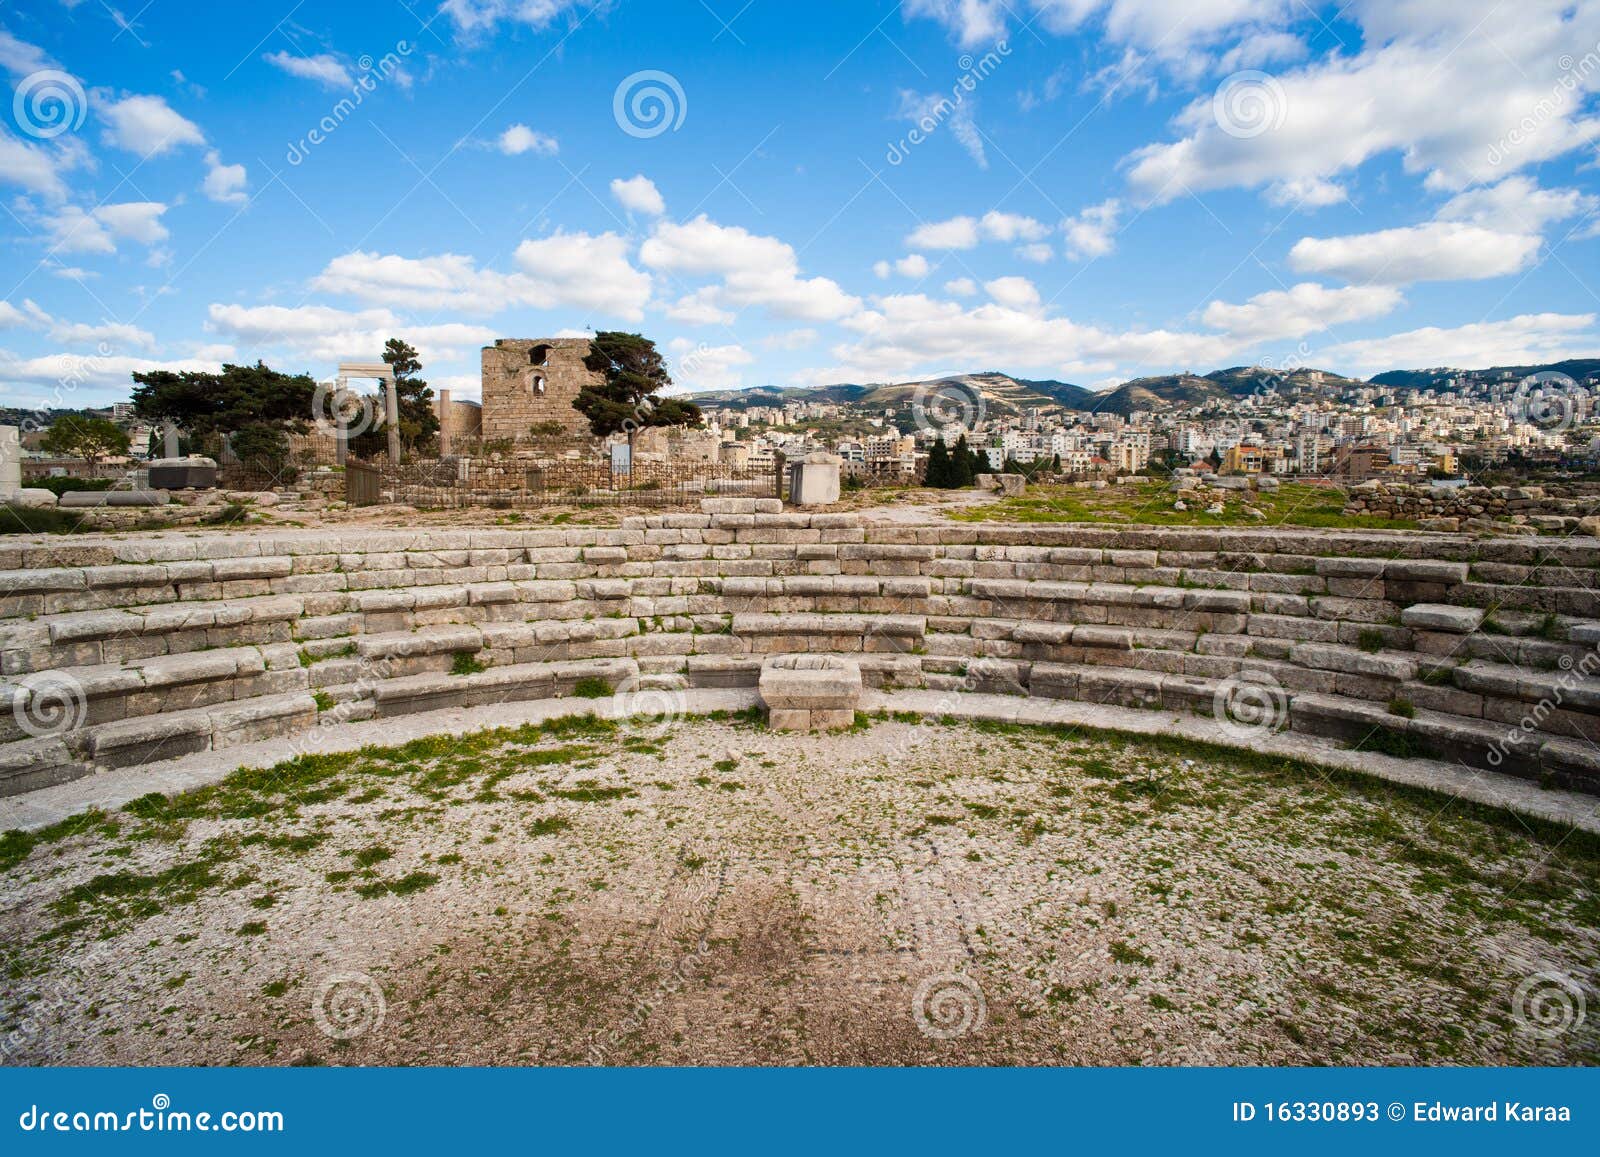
(466, 663)
(591, 687)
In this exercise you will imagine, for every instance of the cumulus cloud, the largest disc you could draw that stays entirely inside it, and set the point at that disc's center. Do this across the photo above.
(519, 139)
(109, 374)
(325, 335)
(1522, 340)
(1092, 233)
(38, 167)
(224, 183)
(1462, 93)
(912, 265)
(703, 367)
(966, 232)
(1301, 309)
(1013, 292)
(147, 125)
(961, 287)
(1436, 251)
(324, 68)
(638, 194)
(562, 271)
(755, 270)
(907, 335)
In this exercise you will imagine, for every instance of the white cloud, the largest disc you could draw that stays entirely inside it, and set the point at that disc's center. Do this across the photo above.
(325, 335)
(480, 16)
(563, 271)
(638, 194)
(1461, 92)
(136, 220)
(1436, 251)
(20, 58)
(26, 316)
(699, 308)
(1516, 205)
(224, 183)
(956, 233)
(583, 271)
(519, 139)
(912, 265)
(961, 287)
(755, 270)
(1522, 340)
(36, 167)
(74, 231)
(110, 335)
(793, 339)
(702, 367)
(1301, 309)
(147, 125)
(1306, 193)
(1038, 253)
(109, 375)
(324, 68)
(997, 226)
(1013, 292)
(904, 336)
(1092, 233)
(929, 111)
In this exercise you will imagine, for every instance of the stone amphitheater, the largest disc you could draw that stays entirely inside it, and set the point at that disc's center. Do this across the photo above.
(1478, 652)
(160, 663)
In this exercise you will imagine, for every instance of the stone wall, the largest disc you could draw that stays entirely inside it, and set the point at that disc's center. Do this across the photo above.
(118, 651)
(1555, 508)
(531, 381)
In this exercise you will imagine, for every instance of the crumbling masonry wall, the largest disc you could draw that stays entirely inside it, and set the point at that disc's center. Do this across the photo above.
(532, 381)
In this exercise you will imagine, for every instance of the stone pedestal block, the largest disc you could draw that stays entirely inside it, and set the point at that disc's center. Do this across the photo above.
(814, 480)
(810, 692)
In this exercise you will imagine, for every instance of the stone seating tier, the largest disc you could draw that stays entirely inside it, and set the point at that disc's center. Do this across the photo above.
(1478, 650)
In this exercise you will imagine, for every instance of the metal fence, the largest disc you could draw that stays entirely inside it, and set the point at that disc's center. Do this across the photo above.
(507, 483)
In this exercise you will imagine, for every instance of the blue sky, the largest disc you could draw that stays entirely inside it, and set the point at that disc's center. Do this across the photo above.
(1088, 190)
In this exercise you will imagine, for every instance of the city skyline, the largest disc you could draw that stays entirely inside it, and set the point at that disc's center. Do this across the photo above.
(1081, 191)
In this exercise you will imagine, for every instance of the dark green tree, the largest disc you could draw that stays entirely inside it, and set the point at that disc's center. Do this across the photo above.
(937, 474)
(204, 404)
(86, 437)
(419, 425)
(628, 399)
(961, 470)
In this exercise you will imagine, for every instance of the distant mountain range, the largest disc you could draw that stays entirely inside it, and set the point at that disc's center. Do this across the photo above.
(1004, 394)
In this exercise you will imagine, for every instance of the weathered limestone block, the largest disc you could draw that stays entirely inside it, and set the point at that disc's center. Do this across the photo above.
(810, 692)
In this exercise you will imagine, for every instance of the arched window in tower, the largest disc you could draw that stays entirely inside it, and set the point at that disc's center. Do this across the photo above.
(538, 358)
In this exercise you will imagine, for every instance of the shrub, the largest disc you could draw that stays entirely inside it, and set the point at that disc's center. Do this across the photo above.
(59, 486)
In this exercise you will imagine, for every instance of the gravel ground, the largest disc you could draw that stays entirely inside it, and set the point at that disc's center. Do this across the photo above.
(907, 893)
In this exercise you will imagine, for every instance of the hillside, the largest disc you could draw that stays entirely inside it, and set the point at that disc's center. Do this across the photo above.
(1001, 393)
(1576, 368)
(1184, 390)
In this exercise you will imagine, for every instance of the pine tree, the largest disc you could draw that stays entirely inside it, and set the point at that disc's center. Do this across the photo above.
(960, 465)
(938, 473)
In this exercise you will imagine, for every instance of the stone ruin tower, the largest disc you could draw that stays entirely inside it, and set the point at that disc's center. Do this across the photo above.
(528, 381)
